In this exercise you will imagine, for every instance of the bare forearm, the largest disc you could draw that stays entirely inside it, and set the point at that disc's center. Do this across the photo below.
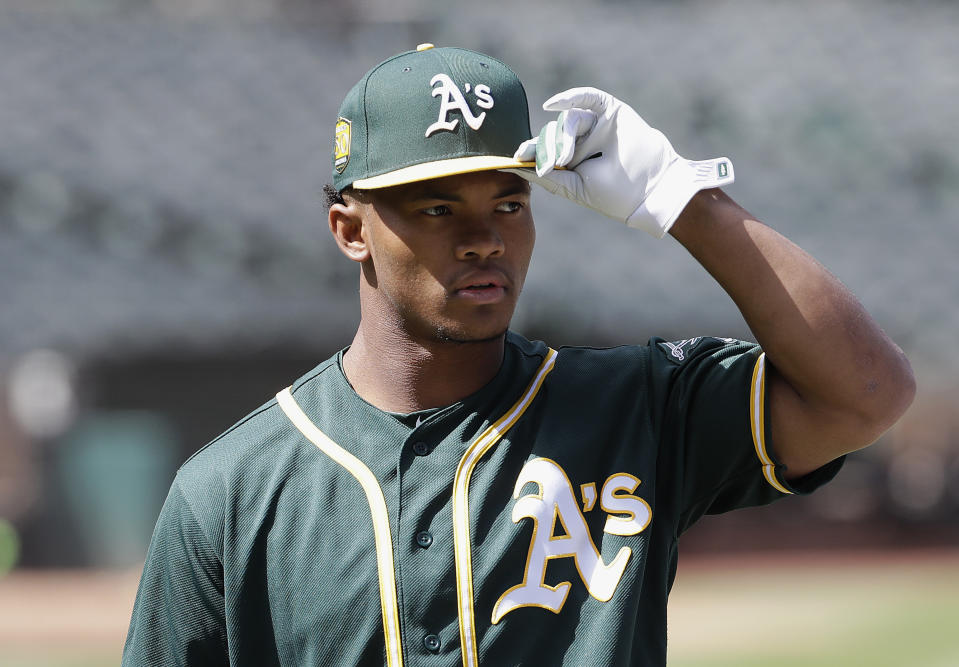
(848, 378)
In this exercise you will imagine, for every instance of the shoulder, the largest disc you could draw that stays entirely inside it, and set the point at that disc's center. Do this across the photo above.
(252, 449)
(652, 370)
(582, 375)
(695, 351)
(658, 353)
(718, 367)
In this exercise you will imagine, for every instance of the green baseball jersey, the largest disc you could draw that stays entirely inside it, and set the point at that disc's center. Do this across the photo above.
(533, 523)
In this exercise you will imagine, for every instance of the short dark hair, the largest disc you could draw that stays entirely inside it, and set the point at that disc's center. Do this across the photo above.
(333, 196)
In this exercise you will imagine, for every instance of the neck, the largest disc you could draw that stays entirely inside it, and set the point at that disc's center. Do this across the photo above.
(394, 372)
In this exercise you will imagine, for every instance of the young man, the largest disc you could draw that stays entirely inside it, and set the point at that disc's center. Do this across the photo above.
(445, 492)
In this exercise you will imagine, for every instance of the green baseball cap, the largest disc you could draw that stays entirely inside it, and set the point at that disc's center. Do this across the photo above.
(429, 113)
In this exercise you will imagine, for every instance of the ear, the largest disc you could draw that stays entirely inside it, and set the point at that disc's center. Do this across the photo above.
(349, 230)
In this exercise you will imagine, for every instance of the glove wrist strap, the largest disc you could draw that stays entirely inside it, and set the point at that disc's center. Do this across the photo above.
(677, 185)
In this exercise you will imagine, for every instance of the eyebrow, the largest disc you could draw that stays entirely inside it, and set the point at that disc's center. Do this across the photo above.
(518, 189)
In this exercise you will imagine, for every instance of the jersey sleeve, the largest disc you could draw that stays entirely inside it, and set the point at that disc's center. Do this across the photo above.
(716, 430)
(178, 616)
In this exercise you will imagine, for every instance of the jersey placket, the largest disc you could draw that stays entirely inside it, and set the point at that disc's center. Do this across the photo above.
(424, 541)
(434, 499)
(461, 511)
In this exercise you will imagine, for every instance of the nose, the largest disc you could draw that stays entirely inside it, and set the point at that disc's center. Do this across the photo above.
(479, 239)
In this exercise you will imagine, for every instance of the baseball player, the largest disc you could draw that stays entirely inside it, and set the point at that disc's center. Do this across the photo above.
(445, 492)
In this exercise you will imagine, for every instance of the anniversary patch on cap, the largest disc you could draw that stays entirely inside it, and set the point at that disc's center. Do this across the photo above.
(341, 145)
(429, 113)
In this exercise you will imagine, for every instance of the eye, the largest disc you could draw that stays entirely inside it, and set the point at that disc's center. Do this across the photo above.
(441, 209)
(509, 207)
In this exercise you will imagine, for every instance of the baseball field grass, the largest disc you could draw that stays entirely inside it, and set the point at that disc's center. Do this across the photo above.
(825, 610)
(787, 610)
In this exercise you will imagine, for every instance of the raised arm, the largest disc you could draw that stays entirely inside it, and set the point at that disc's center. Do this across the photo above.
(835, 381)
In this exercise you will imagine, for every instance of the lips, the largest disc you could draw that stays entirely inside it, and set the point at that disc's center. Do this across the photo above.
(480, 279)
(481, 287)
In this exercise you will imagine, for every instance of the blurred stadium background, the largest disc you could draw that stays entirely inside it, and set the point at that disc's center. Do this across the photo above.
(165, 264)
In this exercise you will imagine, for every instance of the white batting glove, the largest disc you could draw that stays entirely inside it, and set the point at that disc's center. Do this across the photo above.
(612, 161)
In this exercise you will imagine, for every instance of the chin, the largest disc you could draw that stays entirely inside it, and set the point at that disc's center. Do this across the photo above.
(470, 336)
(482, 325)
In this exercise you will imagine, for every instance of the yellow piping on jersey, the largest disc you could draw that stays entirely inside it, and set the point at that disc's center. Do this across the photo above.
(757, 420)
(461, 513)
(381, 520)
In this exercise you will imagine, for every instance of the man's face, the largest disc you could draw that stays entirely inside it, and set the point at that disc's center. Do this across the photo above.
(449, 256)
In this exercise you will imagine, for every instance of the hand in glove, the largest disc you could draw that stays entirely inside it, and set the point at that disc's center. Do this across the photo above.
(601, 154)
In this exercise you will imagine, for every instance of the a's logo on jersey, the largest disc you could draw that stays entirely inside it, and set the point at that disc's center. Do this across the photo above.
(453, 100)
(560, 531)
(341, 145)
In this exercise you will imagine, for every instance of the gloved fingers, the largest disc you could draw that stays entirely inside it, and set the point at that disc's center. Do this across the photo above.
(576, 123)
(526, 151)
(548, 145)
(590, 98)
(556, 144)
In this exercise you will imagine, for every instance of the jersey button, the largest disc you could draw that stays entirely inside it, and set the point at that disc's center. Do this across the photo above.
(432, 643)
(424, 538)
(421, 448)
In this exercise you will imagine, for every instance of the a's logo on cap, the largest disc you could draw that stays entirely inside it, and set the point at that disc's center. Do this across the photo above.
(341, 146)
(453, 100)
